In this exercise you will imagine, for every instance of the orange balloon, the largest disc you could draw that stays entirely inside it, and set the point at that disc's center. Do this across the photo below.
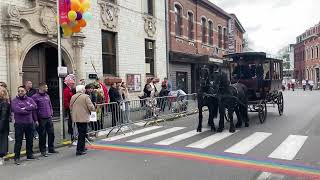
(81, 10)
(82, 23)
(76, 29)
(75, 6)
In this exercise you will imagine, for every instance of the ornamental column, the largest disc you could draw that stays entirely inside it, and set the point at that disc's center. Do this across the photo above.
(78, 44)
(11, 32)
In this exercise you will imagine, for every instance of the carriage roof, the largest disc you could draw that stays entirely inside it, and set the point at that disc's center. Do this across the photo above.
(251, 57)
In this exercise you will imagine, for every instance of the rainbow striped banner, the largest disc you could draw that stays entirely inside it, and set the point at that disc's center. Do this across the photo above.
(226, 159)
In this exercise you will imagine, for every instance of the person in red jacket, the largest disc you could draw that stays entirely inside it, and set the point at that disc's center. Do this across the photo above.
(67, 94)
(104, 88)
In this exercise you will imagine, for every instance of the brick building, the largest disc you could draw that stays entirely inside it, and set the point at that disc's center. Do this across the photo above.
(125, 39)
(199, 32)
(299, 61)
(307, 52)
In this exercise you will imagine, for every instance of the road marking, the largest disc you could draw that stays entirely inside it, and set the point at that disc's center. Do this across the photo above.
(289, 148)
(181, 137)
(264, 176)
(121, 136)
(208, 141)
(248, 143)
(270, 176)
(140, 124)
(154, 135)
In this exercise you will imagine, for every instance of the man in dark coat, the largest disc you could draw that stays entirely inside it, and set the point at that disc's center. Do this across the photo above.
(115, 99)
(29, 87)
(44, 117)
(30, 92)
(90, 91)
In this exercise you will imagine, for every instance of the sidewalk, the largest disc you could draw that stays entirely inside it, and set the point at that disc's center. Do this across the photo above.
(59, 142)
(135, 116)
(58, 139)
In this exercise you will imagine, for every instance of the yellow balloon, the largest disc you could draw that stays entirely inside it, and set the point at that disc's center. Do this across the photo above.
(67, 31)
(72, 15)
(86, 5)
(64, 25)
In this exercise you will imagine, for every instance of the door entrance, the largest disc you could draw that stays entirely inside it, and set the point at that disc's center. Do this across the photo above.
(182, 81)
(40, 65)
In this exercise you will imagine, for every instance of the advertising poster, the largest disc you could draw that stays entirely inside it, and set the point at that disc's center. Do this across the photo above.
(134, 82)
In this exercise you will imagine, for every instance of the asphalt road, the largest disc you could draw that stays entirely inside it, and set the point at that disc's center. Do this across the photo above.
(287, 141)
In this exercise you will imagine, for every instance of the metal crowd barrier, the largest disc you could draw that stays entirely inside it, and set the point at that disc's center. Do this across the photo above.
(122, 116)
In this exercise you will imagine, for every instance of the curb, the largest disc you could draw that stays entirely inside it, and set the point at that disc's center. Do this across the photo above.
(23, 153)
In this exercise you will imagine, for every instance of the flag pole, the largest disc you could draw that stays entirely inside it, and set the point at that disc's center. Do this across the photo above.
(59, 66)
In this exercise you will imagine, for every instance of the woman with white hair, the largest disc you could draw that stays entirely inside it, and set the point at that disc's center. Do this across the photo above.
(81, 107)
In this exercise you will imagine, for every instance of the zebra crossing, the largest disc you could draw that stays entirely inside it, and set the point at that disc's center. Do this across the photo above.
(287, 150)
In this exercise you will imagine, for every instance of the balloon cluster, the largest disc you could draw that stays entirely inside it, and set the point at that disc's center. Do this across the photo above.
(77, 16)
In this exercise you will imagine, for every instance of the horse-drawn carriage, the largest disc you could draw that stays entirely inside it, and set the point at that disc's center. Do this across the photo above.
(263, 78)
(256, 81)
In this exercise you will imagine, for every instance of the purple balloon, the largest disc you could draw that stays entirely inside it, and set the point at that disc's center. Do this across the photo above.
(79, 16)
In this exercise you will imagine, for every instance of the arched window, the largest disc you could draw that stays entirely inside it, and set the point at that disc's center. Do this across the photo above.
(204, 30)
(178, 19)
(210, 37)
(225, 39)
(317, 52)
(220, 37)
(190, 26)
(312, 53)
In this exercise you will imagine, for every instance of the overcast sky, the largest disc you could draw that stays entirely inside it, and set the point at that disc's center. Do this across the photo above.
(272, 24)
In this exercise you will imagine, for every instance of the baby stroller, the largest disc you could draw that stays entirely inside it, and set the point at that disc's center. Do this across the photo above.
(180, 103)
(152, 109)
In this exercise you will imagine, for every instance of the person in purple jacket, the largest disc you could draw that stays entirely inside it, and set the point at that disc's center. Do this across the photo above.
(23, 108)
(44, 117)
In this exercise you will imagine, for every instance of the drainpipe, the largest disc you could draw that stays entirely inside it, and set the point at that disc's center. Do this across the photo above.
(167, 38)
(196, 33)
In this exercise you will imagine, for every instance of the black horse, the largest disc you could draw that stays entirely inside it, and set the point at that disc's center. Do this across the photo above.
(217, 93)
(234, 99)
(206, 97)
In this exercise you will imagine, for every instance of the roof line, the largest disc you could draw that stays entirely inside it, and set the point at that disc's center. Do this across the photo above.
(215, 7)
(238, 22)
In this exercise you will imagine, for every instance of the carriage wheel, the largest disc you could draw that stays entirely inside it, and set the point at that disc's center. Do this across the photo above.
(280, 103)
(262, 112)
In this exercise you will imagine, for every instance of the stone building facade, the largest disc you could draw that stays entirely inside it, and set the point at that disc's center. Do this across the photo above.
(199, 33)
(125, 39)
(307, 66)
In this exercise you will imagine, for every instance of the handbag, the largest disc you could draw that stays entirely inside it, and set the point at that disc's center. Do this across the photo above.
(93, 117)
